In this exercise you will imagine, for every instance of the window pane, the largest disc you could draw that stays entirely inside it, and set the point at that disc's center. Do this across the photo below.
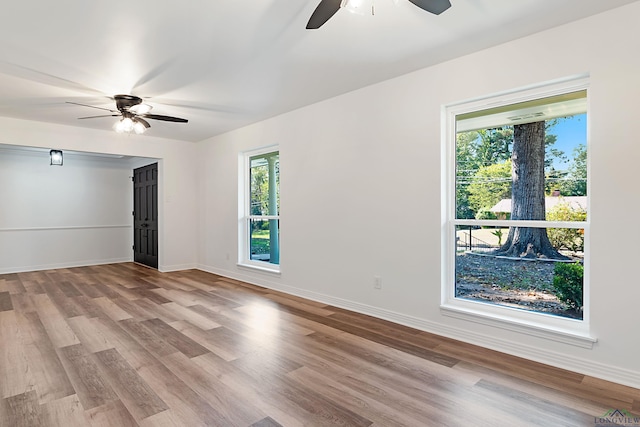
(264, 174)
(264, 240)
(527, 163)
(522, 281)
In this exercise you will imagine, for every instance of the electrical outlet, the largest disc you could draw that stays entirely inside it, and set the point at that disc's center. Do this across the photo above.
(377, 282)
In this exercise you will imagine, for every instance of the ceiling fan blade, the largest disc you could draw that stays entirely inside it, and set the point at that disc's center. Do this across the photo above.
(324, 11)
(219, 108)
(92, 106)
(434, 6)
(34, 75)
(95, 117)
(163, 118)
(144, 122)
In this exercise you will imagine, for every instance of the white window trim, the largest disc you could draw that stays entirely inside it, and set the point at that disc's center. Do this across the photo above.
(566, 330)
(244, 216)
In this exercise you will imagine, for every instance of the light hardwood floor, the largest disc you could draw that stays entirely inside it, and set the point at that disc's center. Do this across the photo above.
(123, 345)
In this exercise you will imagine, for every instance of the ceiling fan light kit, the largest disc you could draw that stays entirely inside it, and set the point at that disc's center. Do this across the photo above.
(128, 125)
(327, 8)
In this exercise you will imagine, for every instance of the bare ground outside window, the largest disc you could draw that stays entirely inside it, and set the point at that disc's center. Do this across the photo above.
(519, 283)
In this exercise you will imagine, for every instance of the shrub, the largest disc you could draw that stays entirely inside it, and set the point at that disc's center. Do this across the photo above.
(485, 214)
(568, 282)
(566, 238)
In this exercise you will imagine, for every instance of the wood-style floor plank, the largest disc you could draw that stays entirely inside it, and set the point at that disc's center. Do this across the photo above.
(51, 380)
(184, 313)
(5, 301)
(135, 393)
(55, 324)
(89, 334)
(21, 410)
(125, 345)
(16, 377)
(67, 412)
(231, 405)
(174, 338)
(266, 422)
(191, 408)
(88, 381)
(111, 414)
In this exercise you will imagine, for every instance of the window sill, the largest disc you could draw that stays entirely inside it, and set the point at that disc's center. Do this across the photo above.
(262, 268)
(569, 336)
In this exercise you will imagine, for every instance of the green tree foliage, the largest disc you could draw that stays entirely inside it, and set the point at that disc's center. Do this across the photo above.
(260, 189)
(494, 145)
(474, 150)
(575, 183)
(566, 238)
(465, 169)
(490, 185)
(568, 283)
(554, 179)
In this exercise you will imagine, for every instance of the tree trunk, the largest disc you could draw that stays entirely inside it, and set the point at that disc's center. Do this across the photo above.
(527, 196)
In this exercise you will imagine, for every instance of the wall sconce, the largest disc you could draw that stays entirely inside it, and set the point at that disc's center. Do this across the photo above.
(56, 157)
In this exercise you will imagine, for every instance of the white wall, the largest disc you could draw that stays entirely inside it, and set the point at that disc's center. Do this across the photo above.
(27, 183)
(360, 191)
(50, 216)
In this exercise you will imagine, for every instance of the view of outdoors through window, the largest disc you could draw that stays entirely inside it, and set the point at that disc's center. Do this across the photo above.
(521, 205)
(264, 219)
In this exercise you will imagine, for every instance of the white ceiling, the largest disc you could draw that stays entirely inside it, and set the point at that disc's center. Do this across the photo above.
(223, 64)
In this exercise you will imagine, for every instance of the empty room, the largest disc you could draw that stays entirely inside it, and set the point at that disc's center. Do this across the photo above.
(338, 212)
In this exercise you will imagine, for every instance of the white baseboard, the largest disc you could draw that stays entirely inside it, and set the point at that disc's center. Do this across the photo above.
(559, 360)
(177, 267)
(83, 263)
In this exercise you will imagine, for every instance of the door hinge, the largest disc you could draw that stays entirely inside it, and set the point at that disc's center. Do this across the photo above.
(133, 213)
(133, 247)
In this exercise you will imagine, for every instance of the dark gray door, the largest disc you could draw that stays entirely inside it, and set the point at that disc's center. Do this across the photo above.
(145, 215)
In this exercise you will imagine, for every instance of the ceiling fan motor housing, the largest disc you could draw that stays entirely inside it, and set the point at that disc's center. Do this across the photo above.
(124, 102)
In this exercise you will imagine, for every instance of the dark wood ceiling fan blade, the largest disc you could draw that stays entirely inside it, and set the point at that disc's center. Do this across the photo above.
(324, 11)
(143, 121)
(95, 117)
(433, 6)
(92, 106)
(163, 118)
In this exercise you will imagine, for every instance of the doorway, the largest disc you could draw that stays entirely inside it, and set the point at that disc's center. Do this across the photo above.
(145, 215)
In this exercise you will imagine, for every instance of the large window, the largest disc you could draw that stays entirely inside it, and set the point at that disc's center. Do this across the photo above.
(517, 207)
(260, 228)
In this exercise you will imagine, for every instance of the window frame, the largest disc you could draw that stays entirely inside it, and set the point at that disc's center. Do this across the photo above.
(566, 330)
(244, 212)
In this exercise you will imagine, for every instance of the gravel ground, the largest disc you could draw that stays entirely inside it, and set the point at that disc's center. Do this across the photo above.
(523, 284)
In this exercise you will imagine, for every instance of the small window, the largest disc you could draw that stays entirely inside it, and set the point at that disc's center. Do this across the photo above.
(260, 230)
(517, 206)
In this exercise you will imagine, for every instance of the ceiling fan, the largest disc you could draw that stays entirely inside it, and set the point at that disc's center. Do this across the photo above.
(133, 112)
(327, 8)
